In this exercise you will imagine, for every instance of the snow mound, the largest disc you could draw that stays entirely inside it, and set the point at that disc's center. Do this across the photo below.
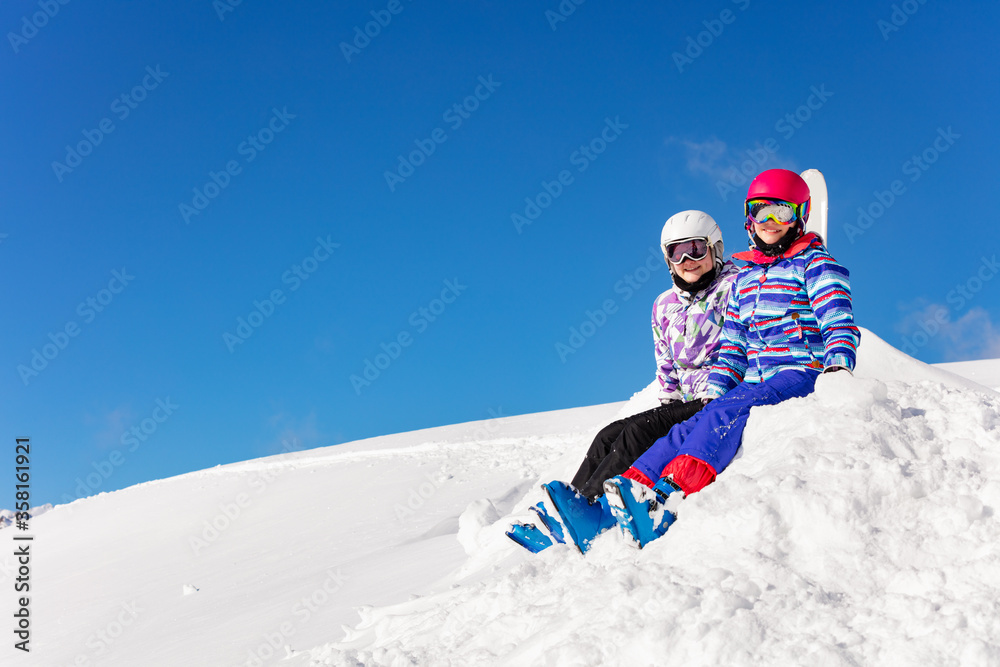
(878, 359)
(856, 527)
(478, 516)
(985, 372)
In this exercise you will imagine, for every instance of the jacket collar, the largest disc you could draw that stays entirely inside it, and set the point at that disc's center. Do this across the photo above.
(755, 256)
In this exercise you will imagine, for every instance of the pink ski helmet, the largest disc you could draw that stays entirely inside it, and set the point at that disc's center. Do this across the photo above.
(779, 184)
(783, 185)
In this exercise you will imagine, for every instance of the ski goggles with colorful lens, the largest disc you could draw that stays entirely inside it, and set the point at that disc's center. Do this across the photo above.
(775, 210)
(678, 251)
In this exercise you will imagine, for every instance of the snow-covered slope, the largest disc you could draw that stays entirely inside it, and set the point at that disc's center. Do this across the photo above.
(858, 527)
(215, 567)
(985, 372)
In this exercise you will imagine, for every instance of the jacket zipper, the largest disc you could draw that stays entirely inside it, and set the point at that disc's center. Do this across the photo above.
(753, 316)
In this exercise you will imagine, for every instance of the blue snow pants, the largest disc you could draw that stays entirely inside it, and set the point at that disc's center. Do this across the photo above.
(714, 434)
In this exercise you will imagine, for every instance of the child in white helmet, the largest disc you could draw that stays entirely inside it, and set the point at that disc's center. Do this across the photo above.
(687, 325)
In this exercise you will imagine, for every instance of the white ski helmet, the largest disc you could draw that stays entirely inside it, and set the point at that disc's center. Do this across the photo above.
(693, 225)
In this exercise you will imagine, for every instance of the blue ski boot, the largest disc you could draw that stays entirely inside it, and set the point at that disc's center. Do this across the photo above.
(529, 536)
(549, 524)
(582, 518)
(540, 535)
(641, 512)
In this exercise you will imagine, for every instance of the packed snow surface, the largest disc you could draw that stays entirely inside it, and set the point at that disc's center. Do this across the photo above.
(857, 527)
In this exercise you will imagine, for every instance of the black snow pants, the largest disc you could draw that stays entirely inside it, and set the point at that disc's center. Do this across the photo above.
(620, 443)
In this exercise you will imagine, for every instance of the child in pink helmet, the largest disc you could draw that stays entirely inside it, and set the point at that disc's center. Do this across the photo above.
(789, 319)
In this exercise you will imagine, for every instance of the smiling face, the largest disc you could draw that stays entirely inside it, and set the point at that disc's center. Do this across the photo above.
(690, 270)
(770, 231)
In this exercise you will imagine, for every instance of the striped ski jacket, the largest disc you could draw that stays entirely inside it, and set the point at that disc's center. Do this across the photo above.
(687, 332)
(787, 312)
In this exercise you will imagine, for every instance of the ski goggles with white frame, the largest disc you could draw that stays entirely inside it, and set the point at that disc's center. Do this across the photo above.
(776, 210)
(678, 251)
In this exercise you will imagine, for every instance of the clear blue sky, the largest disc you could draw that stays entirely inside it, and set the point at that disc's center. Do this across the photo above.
(300, 133)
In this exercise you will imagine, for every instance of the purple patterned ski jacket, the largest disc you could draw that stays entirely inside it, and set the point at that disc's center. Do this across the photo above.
(686, 337)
